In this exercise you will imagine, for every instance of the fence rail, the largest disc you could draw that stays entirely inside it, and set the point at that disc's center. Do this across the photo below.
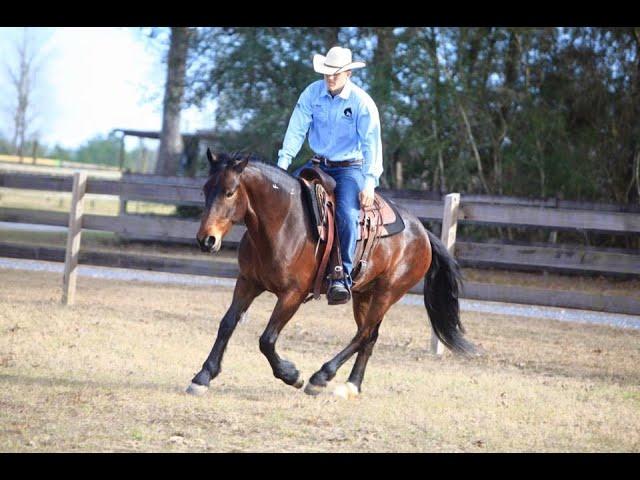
(523, 257)
(471, 209)
(228, 268)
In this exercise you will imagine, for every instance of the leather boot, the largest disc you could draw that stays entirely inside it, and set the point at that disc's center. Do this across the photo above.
(338, 293)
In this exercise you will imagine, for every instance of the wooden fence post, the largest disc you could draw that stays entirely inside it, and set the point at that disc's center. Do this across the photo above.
(122, 205)
(448, 237)
(73, 238)
(35, 151)
(122, 153)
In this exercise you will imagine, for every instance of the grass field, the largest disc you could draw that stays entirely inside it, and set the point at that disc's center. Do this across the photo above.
(50, 165)
(109, 373)
(95, 204)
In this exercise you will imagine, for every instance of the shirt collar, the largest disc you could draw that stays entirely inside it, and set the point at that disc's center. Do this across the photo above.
(346, 90)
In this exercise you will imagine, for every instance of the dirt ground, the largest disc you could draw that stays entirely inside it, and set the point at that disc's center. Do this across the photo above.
(108, 375)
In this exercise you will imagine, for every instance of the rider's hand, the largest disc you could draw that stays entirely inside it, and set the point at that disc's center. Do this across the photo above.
(283, 162)
(366, 197)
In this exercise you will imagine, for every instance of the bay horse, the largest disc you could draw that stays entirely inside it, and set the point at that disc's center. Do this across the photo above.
(278, 254)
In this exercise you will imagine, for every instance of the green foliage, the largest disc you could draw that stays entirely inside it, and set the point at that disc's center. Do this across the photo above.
(5, 146)
(532, 112)
(99, 150)
(60, 153)
(256, 75)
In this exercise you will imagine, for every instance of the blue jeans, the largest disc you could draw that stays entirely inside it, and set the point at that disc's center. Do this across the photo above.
(349, 184)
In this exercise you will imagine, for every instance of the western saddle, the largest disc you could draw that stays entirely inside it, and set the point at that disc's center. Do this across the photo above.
(377, 221)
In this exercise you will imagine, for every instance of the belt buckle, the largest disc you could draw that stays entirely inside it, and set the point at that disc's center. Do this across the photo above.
(319, 159)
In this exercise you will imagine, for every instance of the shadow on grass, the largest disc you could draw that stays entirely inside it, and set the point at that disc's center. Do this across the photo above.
(260, 392)
(103, 385)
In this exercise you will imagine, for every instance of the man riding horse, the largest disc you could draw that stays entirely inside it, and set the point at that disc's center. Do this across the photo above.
(279, 252)
(343, 125)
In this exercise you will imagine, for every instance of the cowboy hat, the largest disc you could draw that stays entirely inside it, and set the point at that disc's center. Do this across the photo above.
(338, 60)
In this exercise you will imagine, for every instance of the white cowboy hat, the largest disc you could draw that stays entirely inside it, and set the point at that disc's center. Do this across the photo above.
(338, 60)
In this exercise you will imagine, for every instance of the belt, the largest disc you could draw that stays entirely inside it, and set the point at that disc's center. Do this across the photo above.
(330, 163)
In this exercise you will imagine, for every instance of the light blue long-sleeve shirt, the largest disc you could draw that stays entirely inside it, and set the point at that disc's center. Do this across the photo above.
(343, 127)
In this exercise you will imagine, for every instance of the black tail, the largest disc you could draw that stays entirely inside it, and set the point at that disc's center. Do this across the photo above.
(441, 285)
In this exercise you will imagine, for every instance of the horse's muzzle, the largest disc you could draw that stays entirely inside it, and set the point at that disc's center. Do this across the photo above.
(209, 244)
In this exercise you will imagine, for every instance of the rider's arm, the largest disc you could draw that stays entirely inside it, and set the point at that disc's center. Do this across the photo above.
(368, 127)
(296, 131)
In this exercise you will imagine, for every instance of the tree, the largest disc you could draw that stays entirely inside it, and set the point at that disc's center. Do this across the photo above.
(5, 145)
(23, 77)
(99, 150)
(171, 147)
(511, 111)
(255, 75)
(59, 153)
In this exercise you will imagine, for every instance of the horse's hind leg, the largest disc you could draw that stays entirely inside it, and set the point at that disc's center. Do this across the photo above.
(285, 308)
(367, 332)
(361, 303)
(245, 292)
(354, 385)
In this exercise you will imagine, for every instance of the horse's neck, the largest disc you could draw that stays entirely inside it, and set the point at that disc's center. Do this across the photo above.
(271, 206)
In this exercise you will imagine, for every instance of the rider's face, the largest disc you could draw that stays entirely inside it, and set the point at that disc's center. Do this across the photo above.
(335, 83)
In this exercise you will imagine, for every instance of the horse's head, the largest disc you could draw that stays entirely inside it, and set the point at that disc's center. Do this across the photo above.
(225, 199)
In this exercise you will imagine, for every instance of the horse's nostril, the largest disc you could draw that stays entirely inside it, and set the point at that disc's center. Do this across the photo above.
(209, 241)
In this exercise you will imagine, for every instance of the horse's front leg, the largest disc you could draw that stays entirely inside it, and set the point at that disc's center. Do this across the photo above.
(244, 294)
(285, 308)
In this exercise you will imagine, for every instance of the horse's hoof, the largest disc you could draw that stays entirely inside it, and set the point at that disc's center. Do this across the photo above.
(299, 383)
(197, 390)
(312, 389)
(346, 390)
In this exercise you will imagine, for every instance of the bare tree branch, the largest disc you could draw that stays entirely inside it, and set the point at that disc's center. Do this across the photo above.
(638, 174)
(463, 113)
(635, 176)
(474, 147)
(22, 78)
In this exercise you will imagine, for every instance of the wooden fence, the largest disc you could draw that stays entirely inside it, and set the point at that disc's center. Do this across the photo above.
(470, 209)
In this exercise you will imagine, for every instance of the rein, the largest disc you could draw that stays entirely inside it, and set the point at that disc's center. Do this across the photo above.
(328, 211)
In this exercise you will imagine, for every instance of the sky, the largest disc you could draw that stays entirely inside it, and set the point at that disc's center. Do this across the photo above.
(91, 80)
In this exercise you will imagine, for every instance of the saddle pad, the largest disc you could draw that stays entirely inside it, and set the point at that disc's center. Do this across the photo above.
(313, 207)
(392, 222)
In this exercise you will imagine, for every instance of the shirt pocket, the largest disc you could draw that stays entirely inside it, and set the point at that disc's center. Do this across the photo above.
(346, 128)
(319, 114)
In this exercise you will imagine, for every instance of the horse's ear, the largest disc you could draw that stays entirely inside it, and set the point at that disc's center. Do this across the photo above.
(213, 159)
(239, 165)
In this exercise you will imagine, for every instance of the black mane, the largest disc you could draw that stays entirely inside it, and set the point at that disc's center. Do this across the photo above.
(274, 173)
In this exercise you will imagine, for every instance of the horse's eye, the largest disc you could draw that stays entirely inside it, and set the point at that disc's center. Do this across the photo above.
(229, 194)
